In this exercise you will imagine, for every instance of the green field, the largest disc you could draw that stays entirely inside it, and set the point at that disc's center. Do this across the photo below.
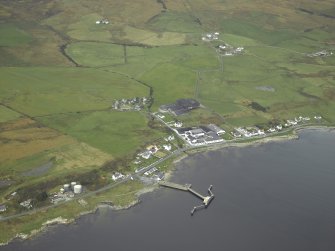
(13, 36)
(7, 114)
(44, 91)
(117, 133)
(61, 71)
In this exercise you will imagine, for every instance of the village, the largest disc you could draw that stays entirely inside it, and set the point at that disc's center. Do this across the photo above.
(145, 164)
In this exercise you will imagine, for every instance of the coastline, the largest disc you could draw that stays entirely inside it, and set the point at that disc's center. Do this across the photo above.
(168, 175)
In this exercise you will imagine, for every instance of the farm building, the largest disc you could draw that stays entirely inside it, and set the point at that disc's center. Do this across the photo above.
(3, 208)
(181, 106)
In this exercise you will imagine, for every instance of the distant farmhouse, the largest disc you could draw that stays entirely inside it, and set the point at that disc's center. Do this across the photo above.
(103, 21)
(181, 106)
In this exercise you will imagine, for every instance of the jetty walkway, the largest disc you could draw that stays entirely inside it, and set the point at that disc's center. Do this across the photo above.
(206, 200)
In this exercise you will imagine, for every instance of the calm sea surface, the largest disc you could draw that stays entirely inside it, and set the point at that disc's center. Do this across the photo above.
(276, 196)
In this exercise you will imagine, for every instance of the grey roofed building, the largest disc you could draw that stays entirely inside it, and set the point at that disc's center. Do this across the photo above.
(205, 129)
(183, 130)
(216, 129)
(197, 132)
(213, 136)
(180, 106)
(3, 208)
(159, 176)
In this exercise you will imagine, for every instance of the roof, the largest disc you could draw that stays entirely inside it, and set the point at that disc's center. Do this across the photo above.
(197, 131)
(213, 136)
(180, 106)
(205, 129)
(188, 103)
(183, 130)
(214, 128)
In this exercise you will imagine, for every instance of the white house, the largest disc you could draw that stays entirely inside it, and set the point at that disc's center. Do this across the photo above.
(167, 147)
(117, 176)
(178, 124)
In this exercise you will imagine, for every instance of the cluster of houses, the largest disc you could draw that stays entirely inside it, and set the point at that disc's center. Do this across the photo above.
(224, 49)
(292, 122)
(322, 53)
(247, 132)
(176, 123)
(296, 120)
(210, 36)
(255, 131)
(228, 50)
(158, 150)
(102, 21)
(153, 149)
(202, 135)
(132, 104)
(150, 150)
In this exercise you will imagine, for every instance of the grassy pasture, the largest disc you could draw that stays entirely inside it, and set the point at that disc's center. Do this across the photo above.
(310, 69)
(96, 54)
(116, 133)
(299, 82)
(246, 68)
(13, 36)
(42, 91)
(201, 116)
(87, 29)
(105, 54)
(274, 55)
(152, 38)
(253, 31)
(170, 82)
(7, 114)
(175, 21)
(26, 145)
(26, 141)
(246, 119)
(237, 40)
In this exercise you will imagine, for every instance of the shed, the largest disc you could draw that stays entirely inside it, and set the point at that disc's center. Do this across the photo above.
(3, 208)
